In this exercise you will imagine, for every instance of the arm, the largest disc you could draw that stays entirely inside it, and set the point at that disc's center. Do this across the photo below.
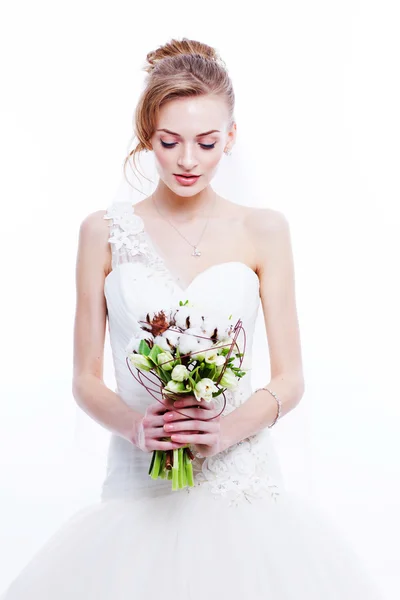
(88, 388)
(90, 392)
(271, 234)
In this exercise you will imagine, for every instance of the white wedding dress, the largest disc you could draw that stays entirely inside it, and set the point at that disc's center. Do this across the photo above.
(237, 534)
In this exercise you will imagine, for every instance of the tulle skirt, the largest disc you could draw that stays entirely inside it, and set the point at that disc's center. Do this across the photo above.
(195, 546)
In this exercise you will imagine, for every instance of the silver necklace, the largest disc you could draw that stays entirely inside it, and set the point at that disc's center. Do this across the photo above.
(196, 252)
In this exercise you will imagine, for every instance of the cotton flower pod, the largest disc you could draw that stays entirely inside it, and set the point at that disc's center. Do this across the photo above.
(133, 344)
(161, 341)
(188, 316)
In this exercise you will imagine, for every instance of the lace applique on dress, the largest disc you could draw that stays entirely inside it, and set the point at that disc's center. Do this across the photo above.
(130, 243)
(242, 472)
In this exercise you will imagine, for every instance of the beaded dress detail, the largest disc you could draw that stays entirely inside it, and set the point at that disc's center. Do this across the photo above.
(237, 534)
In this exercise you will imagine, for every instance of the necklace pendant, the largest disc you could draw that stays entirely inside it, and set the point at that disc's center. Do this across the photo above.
(196, 252)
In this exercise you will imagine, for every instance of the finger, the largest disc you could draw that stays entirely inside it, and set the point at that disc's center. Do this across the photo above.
(207, 439)
(153, 421)
(189, 413)
(156, 433)
(158, 445)
(158, 408)
(189, 401)
(192, 425)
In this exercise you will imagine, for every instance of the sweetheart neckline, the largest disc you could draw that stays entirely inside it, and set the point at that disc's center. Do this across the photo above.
(204, 271)
(168, 271)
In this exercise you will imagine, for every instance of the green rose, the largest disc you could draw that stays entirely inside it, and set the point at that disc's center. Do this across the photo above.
(229, 379)
(167, 358)
(180, 373)
(175, 387)
(141, 362)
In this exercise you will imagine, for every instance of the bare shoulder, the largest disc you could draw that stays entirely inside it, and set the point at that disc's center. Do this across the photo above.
(94, 224)
(269, 233)
(93, 238)
(264, 221)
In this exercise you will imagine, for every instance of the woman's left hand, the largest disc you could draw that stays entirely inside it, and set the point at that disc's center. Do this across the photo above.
(190, 428)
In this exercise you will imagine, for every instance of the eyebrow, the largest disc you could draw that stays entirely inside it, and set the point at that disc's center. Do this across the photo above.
(198, 135)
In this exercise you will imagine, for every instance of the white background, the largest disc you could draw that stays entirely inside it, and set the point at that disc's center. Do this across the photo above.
(317, 87)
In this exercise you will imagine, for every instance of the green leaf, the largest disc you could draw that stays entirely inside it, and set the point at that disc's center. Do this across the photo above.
(192, 381)
(178, 360)
(144, 348)
(215, 394)
(154, 352)
(211, 371)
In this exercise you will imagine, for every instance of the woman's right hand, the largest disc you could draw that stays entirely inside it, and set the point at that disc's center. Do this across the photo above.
(149, 433)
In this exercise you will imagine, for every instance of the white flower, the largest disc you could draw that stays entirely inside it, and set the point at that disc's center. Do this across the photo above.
(229, 379)
(174, 386)
(161, 341)
(173, 337)
(213, 358)
(131, 224)
(188, 316)
(121, 238)
(188, 344)
(179, 373)
(141, 362)
(133, 345)
(168, 359)
(204, 389)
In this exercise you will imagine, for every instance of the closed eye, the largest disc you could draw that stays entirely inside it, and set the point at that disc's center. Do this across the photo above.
(204, 146)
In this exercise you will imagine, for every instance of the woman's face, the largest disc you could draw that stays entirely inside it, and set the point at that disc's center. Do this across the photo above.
(190, 138)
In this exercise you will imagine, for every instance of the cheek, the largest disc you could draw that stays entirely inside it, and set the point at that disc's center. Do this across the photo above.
(162, 159)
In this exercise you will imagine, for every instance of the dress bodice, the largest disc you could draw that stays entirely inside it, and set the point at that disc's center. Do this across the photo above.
(140, 282)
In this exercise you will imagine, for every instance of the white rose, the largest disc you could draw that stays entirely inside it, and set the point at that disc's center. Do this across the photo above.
(179, 373)
(204, 389)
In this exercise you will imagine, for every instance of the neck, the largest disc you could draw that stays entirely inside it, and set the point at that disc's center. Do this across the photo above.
(185, 208)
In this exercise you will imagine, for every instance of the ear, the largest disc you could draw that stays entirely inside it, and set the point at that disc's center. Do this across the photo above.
(231, 137)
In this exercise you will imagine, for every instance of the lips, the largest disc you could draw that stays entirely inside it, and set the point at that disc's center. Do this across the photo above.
(187, 176)
(186, 179)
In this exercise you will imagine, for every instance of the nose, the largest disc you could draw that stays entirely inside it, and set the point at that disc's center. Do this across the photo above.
(187, 160)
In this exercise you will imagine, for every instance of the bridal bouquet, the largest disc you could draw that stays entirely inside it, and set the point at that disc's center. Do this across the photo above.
(181, 351)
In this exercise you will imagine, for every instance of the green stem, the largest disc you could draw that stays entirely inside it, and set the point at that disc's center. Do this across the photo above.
(156, 467)
(180, 468)
(175, 470)
(189, 471)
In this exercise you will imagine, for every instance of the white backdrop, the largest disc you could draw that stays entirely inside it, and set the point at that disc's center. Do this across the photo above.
(317, 91)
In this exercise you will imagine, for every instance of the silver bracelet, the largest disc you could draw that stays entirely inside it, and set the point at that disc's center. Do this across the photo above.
(279, 403)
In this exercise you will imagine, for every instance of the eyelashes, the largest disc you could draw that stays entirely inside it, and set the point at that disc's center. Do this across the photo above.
(173, 144)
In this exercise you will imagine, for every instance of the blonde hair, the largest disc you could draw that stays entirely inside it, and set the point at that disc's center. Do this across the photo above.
(180, 68)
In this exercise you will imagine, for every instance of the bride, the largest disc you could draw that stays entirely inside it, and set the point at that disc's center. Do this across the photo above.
(236, 533)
